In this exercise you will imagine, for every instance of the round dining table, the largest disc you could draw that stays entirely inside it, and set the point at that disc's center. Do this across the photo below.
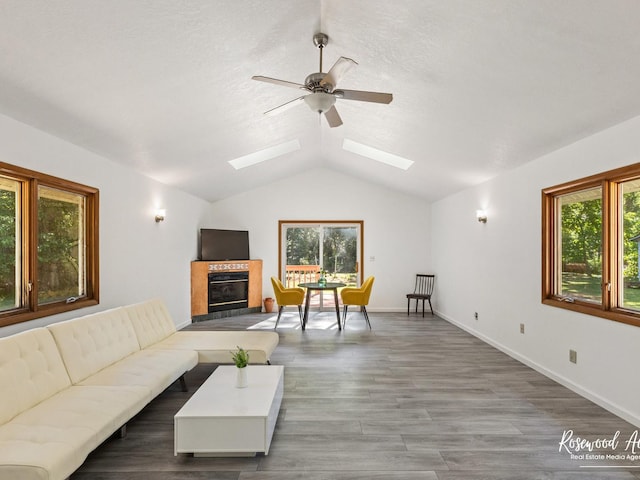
(334, 286)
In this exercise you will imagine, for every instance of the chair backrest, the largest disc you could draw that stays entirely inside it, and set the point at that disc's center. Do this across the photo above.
(424, 284)
(287, 296)
(367, 286)
(278, 289)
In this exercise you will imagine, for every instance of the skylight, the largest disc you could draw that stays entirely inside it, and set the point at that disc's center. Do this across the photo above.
(264, 155)
(377, 155)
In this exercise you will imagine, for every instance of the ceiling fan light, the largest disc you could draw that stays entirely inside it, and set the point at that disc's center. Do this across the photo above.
(320, 102)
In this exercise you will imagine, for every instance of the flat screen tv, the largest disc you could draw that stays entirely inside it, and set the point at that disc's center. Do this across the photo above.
(216, 245)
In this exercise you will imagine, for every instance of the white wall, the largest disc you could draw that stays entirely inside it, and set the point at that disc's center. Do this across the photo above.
(396, 227)
(139, 258)
(495, 270)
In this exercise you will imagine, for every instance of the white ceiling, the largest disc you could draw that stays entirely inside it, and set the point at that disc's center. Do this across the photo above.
(165, 87)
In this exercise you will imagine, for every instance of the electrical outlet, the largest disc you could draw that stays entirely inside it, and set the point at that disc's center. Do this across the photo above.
(522, 328)
(573, 356)
(475, 315)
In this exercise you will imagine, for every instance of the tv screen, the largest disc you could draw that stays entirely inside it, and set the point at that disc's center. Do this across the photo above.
(218, 245)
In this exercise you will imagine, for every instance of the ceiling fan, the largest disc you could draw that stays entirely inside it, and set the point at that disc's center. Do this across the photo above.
(321, 88)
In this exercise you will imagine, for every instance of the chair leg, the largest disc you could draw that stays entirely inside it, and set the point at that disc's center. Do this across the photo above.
(408, 305)
(280, 308)
(183, 383)
(366, 316)
(300, 313)
(423, 308)
(430, 306)
(344, 316)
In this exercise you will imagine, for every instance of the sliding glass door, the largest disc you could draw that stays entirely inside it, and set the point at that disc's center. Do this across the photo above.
(309, 247)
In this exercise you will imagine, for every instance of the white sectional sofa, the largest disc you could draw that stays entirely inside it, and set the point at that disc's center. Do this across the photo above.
(68, 387)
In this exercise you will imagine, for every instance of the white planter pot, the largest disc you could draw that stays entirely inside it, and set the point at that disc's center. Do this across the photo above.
(241, 378)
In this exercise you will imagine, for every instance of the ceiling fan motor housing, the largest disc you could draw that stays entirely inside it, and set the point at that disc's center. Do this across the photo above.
(312, 83)
(321, 98)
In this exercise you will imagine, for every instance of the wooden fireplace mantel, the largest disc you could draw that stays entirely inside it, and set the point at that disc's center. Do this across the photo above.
(200, 282)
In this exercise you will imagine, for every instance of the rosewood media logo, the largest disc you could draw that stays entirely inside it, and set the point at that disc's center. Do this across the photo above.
(611, 451)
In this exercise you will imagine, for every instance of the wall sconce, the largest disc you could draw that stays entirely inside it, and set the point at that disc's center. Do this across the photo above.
(160, 214)
(482, 216)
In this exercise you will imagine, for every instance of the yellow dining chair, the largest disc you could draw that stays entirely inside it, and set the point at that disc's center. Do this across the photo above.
(287, 296)
(357, 296)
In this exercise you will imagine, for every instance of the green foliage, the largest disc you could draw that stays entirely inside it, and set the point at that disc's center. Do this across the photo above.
(7, 247)
(339, 248)
(631, 228)
(58, 251)
(582, 234)
(303, 247)
(58, 254)
(240, 357)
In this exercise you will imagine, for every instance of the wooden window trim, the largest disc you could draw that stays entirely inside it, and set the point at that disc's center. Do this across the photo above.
(611, 230)
(29, 204)
(360, 223)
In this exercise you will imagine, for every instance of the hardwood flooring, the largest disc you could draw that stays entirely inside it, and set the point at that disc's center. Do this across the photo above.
(414, 398)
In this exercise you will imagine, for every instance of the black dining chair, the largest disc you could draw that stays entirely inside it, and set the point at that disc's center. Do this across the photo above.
(422, 291)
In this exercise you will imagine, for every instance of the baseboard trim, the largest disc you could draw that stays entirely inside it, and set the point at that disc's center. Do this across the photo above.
(586, 393)
(182, 325)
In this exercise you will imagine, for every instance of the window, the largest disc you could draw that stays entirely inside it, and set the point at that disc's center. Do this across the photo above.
(591, 240)
(308, 246)
(48, 245)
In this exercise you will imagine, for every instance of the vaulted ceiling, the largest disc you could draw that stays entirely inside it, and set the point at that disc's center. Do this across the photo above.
(164, 86)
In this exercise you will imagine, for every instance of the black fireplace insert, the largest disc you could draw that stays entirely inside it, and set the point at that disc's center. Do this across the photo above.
(228, 291)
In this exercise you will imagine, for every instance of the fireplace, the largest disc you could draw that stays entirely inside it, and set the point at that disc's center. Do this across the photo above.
(243, 279)
(228, 291)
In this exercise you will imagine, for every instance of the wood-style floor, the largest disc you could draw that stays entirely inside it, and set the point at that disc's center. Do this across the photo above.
(411, 399)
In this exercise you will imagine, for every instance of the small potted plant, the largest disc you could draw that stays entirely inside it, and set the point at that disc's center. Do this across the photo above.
(241, 358)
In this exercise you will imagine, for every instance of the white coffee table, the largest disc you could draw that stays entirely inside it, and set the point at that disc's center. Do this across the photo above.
(222, 420)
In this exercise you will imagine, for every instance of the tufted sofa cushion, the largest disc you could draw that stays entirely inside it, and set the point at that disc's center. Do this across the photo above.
(52, 439)
(156, 331)
(93, 342)
(153, 370)
(31, 370)
(151, 321)
(216, 347)
(103, 350)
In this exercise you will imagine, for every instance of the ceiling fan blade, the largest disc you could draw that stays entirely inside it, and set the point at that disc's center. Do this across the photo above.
(362, 96)
(333, 118)
(275, 81)
(336, 72)
(284, 106)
